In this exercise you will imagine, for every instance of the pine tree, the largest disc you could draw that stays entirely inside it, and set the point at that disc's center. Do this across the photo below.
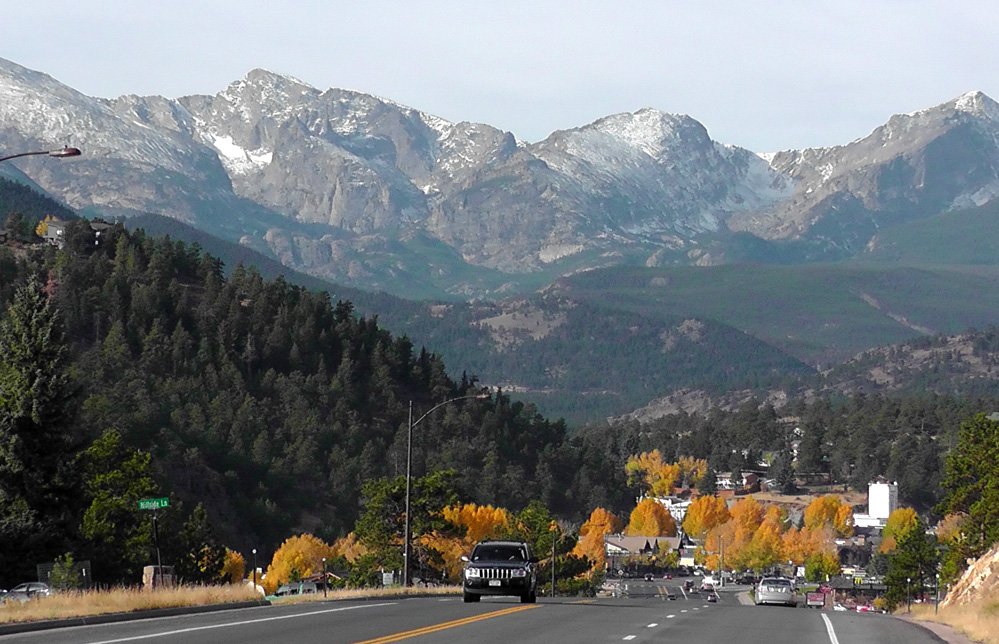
(35, 442)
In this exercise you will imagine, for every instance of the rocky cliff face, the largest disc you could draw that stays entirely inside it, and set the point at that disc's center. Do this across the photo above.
(336, 182)
(980, 580)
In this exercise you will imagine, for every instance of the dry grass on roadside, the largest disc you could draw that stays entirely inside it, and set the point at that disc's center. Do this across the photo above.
(120, 600)
(979, 621)
(126, 600)
(359, 593)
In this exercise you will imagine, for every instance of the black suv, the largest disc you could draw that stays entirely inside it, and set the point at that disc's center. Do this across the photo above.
(500, 568)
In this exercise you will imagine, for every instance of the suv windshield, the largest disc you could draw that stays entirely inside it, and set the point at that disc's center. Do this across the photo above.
(499, 553)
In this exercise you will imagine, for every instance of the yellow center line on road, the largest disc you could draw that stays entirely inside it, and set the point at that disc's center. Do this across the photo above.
(443, 626)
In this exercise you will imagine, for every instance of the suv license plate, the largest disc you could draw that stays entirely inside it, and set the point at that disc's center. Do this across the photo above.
(495, 582)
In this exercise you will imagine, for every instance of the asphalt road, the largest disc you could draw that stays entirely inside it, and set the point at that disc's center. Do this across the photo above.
(644, 615)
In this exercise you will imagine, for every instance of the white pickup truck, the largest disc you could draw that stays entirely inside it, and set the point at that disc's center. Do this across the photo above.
(708, 582)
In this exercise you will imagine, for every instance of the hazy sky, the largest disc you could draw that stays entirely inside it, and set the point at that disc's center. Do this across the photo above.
(766, 75)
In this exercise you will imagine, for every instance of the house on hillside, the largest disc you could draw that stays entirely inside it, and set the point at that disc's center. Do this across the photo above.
(55, 229)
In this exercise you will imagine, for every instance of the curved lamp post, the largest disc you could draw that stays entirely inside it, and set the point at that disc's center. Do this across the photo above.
(61, 153)
(409, 466)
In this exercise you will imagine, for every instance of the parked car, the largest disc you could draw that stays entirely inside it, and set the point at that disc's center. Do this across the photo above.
(28, 590)
(775, 590)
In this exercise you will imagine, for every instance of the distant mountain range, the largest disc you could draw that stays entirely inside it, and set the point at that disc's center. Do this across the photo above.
(366, 192)
(629, 260)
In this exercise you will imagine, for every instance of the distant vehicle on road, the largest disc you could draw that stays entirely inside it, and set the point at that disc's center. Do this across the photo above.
(775, 590)
(712, 597)
(649, 577)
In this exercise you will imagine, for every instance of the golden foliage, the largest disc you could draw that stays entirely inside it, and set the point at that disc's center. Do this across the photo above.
(349, 548)
(650, 518)
(949, 527)
(692, 470)
(479, 522)
(898, 524)
(830, 510)
(234, 567)
(591, 536)
(704, 513)
(300, 556)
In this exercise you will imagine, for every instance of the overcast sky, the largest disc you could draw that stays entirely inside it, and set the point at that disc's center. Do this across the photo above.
(766, 75)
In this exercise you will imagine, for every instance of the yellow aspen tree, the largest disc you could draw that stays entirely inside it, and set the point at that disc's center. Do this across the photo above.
(298, 557)
(827, 510)
(692, 470)
(704, 513)
(652, 473)
(765, 547)
(234, 567)
(591, 536)
(898, 524)
(843, 522)
(650, 518)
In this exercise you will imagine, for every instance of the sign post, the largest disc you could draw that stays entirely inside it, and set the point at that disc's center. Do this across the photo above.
(155, 504)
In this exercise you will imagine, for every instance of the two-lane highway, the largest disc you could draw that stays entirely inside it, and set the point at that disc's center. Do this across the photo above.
(646, 618)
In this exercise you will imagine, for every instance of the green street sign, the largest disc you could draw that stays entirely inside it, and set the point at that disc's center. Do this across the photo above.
(153, 504)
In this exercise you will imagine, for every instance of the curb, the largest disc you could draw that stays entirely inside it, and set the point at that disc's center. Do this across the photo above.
(110, 618)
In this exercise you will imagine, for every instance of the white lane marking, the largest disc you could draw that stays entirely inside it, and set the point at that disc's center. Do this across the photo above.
(652, 625)
(446, 600)
(829, 629)
(684, 593)
(670, 616)
(684, 610)
(249, 621)
(629, 637)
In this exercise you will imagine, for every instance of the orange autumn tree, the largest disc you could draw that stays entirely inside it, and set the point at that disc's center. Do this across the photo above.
(349, 548)
(703, 513)
(234, 567)
(830, 510)
(477, 521)
(651, 519)
(298, 557)
(766, 547)
(591, 536)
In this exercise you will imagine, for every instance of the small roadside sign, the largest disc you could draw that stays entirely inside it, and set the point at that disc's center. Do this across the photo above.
(153, 504)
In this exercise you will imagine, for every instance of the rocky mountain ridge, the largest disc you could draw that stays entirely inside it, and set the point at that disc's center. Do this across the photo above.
(361, 190)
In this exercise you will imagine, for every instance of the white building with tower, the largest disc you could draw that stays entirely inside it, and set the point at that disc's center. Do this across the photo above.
(882, 500)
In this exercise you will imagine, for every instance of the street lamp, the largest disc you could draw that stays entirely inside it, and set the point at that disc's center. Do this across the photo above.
(936, 601)
(324, 577)
(60, 154)
(908, 601)
(409, 468)
(254, 571)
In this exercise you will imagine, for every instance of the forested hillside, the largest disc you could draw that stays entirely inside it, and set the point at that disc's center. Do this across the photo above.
(268, 403)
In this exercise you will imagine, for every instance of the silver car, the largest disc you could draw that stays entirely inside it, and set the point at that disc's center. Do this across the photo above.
(26, 591)
(775, 590)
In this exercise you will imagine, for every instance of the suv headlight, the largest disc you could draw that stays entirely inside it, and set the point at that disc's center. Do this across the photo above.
(519, 572)
(472, 573)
